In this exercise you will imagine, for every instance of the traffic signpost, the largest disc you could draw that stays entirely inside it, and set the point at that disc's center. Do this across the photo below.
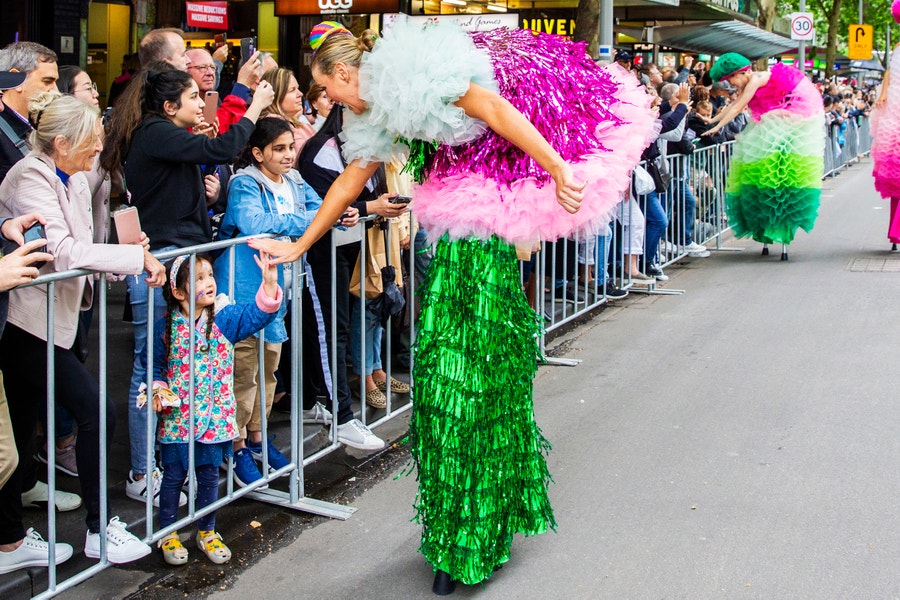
(859, 42)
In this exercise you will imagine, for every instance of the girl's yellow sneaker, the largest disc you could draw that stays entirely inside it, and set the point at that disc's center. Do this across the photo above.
(211, 543)
(173, 551)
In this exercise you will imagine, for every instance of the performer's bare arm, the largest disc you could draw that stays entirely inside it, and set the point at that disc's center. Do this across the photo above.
(503, 118)
(735, 108)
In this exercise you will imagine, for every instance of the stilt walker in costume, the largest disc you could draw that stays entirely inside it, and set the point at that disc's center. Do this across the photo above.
(513, 137)
(775, 180)
(886, 139)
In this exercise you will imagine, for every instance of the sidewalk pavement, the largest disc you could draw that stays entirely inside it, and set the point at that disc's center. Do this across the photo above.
(737, 440)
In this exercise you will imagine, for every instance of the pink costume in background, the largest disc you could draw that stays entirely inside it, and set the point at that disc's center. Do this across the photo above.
(886, 148)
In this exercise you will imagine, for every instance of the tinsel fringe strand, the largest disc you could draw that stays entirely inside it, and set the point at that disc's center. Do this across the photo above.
(480, 456)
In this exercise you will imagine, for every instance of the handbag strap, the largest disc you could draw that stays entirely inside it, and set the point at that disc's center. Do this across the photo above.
(20, 144)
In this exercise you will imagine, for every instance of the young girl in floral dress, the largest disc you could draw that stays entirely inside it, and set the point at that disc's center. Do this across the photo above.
(218, 325)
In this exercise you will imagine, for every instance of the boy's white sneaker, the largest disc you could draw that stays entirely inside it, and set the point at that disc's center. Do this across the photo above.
(136, 489)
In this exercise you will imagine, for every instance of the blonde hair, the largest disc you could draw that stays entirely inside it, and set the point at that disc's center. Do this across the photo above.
(280, 80)
(56, 115)
(343, 48)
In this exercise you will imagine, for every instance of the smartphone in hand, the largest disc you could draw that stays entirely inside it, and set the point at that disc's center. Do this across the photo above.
(128, 225)
(248, 47)
(400, 200)
(210, 106)
(36, 232)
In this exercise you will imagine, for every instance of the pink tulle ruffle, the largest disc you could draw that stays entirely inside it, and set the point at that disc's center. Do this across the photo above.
(787, 89)
(472, 204)
(886, 149)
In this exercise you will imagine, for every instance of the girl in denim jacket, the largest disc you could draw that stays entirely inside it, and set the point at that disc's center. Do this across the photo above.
(217, 326)
(265, 196)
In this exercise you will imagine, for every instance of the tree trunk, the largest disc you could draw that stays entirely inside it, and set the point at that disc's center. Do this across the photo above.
(587, 25)
(833, 23)
(768, 12)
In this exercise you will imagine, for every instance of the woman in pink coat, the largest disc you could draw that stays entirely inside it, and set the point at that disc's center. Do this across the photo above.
(65, 142)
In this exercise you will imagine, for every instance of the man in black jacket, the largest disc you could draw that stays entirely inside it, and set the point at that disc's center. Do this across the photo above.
(39, 65)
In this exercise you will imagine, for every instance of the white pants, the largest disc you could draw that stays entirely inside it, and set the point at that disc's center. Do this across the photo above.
(630, 216)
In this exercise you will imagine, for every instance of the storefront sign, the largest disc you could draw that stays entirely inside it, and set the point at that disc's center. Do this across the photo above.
(484, 22)
(331, 7)
(732, 5)
(208, 15)
(562, 26)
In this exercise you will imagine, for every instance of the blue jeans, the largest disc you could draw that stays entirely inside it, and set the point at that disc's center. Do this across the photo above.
(685, 206)
(373, 332)
(656, 222)
(174, 476)
(604, 241)
(137, 417)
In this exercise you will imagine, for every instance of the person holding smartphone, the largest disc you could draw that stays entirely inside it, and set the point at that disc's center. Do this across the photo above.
(17, 267)
(65, 142)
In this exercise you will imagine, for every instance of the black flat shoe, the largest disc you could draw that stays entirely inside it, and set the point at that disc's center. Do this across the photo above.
(443, 585)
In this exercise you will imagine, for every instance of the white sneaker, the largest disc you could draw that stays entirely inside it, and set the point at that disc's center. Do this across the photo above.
(355, 434)
(695, 250)
(33, 552)
(136, 489)
(317, 414)
(121, 545)
(38, 496)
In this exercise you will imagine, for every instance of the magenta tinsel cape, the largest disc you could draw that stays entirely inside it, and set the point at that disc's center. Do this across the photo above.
(478, 184)
(599, 120)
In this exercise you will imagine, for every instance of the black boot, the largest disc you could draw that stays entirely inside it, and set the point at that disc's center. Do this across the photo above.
(443, 585)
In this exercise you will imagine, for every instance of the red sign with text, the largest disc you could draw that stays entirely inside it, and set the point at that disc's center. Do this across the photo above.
(208, 15)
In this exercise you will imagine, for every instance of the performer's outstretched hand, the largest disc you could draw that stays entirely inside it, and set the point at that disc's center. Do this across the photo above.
(569, 193)
(279, 252)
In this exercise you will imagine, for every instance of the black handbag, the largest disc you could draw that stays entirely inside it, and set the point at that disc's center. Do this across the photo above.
(659, 171)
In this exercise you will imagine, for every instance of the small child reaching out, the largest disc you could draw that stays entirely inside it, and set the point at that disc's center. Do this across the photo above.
(218, 326)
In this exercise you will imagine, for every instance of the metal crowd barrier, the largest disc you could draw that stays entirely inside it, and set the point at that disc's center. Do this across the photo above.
(857, 142)
(565, 294)
(570, 280)
(294, 496)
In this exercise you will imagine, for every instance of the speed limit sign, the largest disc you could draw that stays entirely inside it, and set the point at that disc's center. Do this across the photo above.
(802, 26)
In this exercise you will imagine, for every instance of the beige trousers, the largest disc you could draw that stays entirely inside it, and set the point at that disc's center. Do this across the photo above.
(246, 381)
(9, 458)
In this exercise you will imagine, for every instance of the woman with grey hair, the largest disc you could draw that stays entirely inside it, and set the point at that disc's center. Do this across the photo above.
(65, 142)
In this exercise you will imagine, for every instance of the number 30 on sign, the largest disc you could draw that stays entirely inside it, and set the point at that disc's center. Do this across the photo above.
(802, 26)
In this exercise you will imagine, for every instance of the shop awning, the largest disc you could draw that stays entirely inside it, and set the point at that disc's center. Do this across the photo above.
(723, 36)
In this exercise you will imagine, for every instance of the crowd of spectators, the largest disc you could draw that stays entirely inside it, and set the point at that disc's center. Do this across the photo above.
(64, 168)
(845, 105)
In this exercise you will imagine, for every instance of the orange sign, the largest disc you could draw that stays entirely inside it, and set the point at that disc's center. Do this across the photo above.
(859, 42)
(332, 7)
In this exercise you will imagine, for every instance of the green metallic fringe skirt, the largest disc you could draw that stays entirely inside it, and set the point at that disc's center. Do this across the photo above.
(480, 456)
